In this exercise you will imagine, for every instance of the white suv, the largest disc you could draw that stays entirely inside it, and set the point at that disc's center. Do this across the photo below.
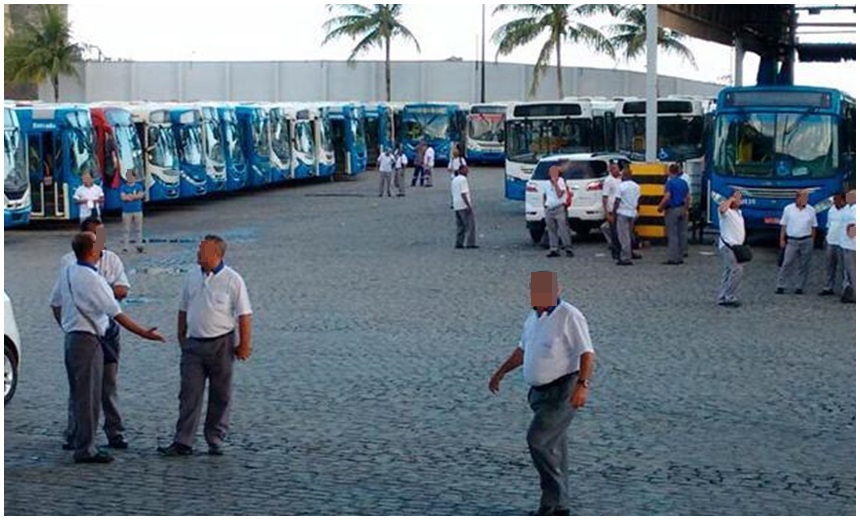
(12, 349)
(584, 176)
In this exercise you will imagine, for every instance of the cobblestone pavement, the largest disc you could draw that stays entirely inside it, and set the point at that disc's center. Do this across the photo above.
(374, 341)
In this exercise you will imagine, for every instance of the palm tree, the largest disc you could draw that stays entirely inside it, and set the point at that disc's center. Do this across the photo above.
(628, 36)
(375, 25)
(560, 20)
(42, 50)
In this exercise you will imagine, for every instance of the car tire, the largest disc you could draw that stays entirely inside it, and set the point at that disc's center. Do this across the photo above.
(582, 229)
(10, 374)
(537, 233)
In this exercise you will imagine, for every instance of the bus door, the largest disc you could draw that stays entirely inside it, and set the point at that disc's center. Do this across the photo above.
(338, 142)
(46, 185)
(373, 137)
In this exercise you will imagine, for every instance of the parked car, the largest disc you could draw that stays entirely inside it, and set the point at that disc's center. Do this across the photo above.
(12, 341)
(584, 176)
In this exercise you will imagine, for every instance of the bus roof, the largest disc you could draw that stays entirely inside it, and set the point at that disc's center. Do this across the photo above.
(782, 96)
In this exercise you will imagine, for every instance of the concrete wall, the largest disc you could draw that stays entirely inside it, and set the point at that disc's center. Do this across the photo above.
(339, 81)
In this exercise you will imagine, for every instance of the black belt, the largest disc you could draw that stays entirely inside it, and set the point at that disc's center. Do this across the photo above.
(210, 340)
(558, 382)
(800, 238)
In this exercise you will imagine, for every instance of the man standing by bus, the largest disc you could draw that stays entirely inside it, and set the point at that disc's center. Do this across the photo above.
(610, 191)
(626, 210)
(796, 237)
(835, 263)
(429, 163)
(386, 170)
(555, 211)
(132, 195)
(89, 197)
(418, 162)
(848, 223)
(675, 203)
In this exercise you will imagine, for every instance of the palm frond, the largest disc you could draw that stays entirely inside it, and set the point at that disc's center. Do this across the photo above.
(401, 30)
(541, 65)
(515, 34)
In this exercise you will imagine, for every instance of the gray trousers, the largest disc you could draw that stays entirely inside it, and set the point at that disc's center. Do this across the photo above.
(385, 183)
(732, 272)
(84, 366)
(202, 360)
(465, 227)
(557, 227)
(795, 264)
(127, 220)
(400, 182)
(610, 233)
(625, 237)
(850, 258)
(835, 269)
(676, 232)
(547, 440)
(113, 426)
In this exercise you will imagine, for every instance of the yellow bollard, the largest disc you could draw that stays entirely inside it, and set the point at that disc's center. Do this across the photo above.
(651, 178)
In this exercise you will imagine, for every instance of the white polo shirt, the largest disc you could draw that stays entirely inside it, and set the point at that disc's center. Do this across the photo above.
(386, 163)
(849, 216)
(213, 302)
(628, 192)
(81, 287)
(91, 196)
(610, 191)
(553, 343)
(834, 216)
(401, 162)
(109, 267)
(732, 230)
(459, 186)
(798, 222)
(455, 163)
(551, 198)
(429, 157)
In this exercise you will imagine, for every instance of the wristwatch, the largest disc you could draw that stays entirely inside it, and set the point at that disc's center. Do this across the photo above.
(583, 382)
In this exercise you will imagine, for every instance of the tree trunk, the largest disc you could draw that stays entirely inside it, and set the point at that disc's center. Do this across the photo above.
(558, 68)
(55, 82)
(388, 69)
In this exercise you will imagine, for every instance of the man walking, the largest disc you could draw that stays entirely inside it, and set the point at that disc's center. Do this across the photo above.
(213, 299)
(610, 192)
(848, 223)
(463, 211)
(626, 211)
(386, 170)
(732, 233)
(557, 357)
(87, 303)
(132, 195)
(835, 263)
(676, 204)
(796, 237)
(109, 266)
(555, 211)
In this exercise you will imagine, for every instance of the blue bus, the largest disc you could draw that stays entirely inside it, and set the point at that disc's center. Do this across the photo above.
(379, 130)
(440, 125)
(118, 150)
(485, 135)
(769, 142)
(280, 130)
(60, 149)
(347, 135)
(187, 124)
(160, 158)
(254, 128)
(213, 149)
(326, 164)
(16, 185)
(304, 143)
(234, 154)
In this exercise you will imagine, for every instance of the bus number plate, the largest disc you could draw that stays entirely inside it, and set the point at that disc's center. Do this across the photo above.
(771, 220)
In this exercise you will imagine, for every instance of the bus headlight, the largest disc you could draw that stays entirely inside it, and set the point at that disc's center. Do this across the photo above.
(823, 205)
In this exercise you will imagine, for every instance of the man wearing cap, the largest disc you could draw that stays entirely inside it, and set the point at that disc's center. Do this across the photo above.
(796, 237)
(557, 357)
(213, 299)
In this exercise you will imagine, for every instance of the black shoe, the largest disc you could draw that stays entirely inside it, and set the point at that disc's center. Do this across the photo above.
(458, 247)
(569, 253)
(734, 304)
(140, 249)
(472, 247)
(634, 256)
(826, 292)
(547, 511)
(553, 254)
(68, 446)
(669, 262)
(175, 450)
(216, 450)
(100, 457)
(623, 263)
(117, 443)
(846, 299)
(798, 291)
(780, 291)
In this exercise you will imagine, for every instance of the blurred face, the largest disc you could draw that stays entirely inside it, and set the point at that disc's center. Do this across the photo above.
(839, 201)
(614, 170)
(208, 255)
(87, 179)
(802, 198)
(737, 199)
(129, 176)
(851, 197)
(101, 238)
(544, 289)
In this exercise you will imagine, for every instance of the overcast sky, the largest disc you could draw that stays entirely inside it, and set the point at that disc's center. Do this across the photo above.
(252, 30)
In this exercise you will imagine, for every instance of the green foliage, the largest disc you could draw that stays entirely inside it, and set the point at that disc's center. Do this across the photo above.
(628, 36)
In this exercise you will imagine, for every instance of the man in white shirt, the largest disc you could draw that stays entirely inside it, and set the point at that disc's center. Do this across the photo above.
(626, 210)
(109, 266)
(797, 237)
(213, 299)
(429, 163)
(463, 211)
(557, 357)
(610, 191)
(86, 305)
(732, 233)
(400, 163)
(89, 197)
(848, 243)
(555, 211)
(835, 264)
(386, 170)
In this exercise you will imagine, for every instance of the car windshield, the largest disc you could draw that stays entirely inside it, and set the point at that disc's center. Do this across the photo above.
(280, 138)
(678, 137)
(129, 150)
(487, 128)
(161, 147)
(430, 127)
(214, 147)
(191, 144)
(14, 161)
(304, 137)
(234, 145)
(81, 149)
(573, 170)
(530, 141)
(776, 145)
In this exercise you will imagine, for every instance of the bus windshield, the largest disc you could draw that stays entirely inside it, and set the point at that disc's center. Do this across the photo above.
(280, 138)
(260, 136)
(678, 137)
(162, 147)
(81, 148)
(234, 146)
(529, 141)
(15, 167)
(214, 148)
(325, 135)
(304, 137)
(776, 145)
(129, 150)
(358, 131)
(191, 143)
(486, 129)
(431, 127)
